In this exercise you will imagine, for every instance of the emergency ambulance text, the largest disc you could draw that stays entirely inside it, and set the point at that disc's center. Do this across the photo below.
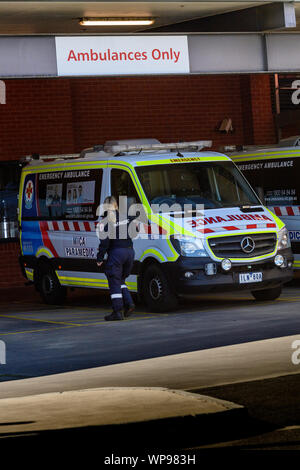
(261, 165)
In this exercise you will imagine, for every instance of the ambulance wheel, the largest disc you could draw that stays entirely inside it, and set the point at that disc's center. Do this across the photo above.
(267, 294)
(157, 292)
(49, 287)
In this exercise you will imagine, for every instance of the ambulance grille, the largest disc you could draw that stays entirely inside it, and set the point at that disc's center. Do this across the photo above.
(231, 246)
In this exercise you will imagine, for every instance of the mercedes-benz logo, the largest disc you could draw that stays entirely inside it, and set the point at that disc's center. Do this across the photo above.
(247, 244)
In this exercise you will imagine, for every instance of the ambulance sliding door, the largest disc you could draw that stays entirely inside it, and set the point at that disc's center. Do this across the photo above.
(122, 184)
(82, 194)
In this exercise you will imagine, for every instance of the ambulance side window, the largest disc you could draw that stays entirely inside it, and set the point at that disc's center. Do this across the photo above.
(122, 185)
(82, 191)
(73, 195)
(50, 196)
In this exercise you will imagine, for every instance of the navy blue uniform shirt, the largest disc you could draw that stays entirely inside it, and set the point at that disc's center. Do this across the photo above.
(117, 235)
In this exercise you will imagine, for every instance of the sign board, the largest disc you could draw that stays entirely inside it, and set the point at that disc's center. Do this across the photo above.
(122, 55)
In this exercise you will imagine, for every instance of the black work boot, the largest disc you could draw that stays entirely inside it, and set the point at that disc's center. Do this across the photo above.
(129, 310)
(114, 316)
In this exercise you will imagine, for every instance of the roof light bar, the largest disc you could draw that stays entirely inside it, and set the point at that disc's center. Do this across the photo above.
(118, 21)
(195, 145)
(28, 158)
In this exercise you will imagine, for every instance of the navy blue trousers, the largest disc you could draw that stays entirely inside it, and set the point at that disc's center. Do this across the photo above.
(117, 268)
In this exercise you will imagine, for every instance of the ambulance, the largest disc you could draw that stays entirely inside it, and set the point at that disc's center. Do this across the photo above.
(204, 229)
(274, 173)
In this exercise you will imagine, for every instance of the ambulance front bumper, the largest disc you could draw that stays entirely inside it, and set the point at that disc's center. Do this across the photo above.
(190, 275)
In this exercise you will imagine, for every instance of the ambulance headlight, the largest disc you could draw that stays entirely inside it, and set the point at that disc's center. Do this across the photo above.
(189, 246)
(279, 261)
(226, 264)
(283, 239)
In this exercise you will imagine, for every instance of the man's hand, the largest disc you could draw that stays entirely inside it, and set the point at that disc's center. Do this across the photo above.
(99, 263)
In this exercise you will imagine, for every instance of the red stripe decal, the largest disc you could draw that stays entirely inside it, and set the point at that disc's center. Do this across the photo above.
(87, 226)
(251, 226)
(46, 240)
(205, 230)
(55, 226)
(290, 211)
(66, 226)
(162, 231)
(277, 210)
(271, 225)
(231, 228)
(76, 226)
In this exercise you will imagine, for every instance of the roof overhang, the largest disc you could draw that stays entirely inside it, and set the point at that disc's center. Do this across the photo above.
(62, 17)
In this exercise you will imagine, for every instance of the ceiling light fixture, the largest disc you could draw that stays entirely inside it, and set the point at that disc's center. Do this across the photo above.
(116, 21)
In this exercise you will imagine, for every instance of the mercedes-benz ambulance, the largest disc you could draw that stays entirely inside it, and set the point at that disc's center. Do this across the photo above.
(273, 172)
(226, 240)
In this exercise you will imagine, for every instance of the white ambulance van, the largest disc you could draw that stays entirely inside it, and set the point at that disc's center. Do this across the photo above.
(274, 173)
(231, 243)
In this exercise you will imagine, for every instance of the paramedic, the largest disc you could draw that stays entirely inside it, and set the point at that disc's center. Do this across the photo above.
(119, 248)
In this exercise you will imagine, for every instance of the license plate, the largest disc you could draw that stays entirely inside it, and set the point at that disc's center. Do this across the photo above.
(250, 277)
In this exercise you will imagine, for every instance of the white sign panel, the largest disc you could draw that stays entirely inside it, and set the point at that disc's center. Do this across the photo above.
(122, 55)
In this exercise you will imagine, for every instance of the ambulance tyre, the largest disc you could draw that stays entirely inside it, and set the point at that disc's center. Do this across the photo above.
(49, 287)
(156, 290)
(267, 294)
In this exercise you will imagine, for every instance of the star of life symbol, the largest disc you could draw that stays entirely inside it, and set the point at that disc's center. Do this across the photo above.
(29, 194)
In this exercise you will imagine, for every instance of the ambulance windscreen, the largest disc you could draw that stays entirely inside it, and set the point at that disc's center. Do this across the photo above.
(210, 184)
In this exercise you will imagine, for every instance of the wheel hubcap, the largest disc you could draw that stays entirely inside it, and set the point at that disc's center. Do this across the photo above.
(155, 288)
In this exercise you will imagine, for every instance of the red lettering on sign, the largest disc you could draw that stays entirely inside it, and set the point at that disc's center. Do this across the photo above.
(156, 54)
(72, 55)
(94, 55)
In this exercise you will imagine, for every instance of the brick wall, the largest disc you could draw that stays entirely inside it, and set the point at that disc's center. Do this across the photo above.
(37, 117)
(264, 131)
(176, 108)
(10, 272)
(63, 115)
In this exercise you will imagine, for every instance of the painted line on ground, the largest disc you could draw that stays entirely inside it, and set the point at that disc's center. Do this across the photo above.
(38, 320)
(35, 331)
(69, 325)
